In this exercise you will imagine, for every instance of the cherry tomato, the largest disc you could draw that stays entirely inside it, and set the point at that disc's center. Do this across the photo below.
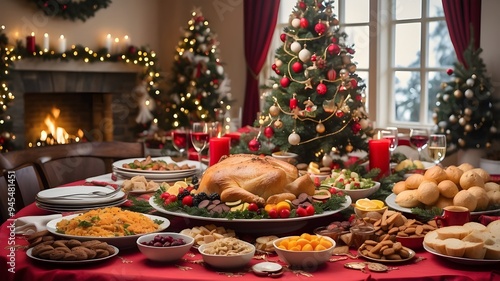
(301, 212)
(310, 210)
(164, 195)
(187, 200)
(332, 190)
(253, 207)
(272, 213)
(284, 213)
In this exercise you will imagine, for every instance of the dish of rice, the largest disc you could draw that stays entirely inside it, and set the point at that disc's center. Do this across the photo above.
(108, 222)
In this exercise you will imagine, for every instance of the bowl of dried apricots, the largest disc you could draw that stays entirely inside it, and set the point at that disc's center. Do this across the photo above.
(306, 251)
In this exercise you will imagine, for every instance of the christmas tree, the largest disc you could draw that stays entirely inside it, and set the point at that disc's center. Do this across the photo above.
(464, 111)
(6, 137)
(199, 89)
(316, 104)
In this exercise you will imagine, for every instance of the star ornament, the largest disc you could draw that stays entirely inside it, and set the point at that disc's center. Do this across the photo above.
(308, 84)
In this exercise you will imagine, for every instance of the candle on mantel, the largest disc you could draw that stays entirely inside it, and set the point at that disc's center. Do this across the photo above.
(62, 44)
(217, 148)
(126, 42)
(30, 43)
(46, 42)
(379, 156)
(109, 43)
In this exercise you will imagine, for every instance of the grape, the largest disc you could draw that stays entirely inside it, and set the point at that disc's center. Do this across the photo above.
(164, 241)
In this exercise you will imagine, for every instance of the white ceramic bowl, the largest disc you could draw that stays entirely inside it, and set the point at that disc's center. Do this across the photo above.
(309, 260)
(227, 262)
(356, 194)
(164, 254)
(285, 156)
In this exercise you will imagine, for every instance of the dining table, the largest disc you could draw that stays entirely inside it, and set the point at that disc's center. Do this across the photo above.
(131, 264)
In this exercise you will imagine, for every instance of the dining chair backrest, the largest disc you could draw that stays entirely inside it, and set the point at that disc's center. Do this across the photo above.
(4, 199)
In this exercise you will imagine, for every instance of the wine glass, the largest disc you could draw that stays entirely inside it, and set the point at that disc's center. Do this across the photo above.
(391, 133)
(180, 140)
(199, 138)
(419, 139)
(437, 147)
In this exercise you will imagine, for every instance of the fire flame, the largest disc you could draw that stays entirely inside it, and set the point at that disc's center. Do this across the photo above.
(55, 134)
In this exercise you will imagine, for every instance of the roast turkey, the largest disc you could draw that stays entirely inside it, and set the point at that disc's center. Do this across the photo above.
(253, 178)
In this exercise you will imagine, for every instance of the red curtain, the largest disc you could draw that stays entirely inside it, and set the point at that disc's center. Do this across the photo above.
(260, 18)
(460, 16)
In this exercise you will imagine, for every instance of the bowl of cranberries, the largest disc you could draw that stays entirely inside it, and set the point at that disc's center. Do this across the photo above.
(165, 246)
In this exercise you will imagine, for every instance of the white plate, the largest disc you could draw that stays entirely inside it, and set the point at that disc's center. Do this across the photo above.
(461, 260)
(52, 195)
(119, 165)
(29, 254)
(68, 208)
(391, 202)
(122, 242)
(412, 254)
(152, 176)
(254, 226)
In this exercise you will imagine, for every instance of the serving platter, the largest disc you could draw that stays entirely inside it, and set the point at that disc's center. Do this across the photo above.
(391, 202)
(461, 260)
(122, 242)
(30, 255)
(194, 164)
(155, 176)
(412, 254)
(77, 195)
(254, 226)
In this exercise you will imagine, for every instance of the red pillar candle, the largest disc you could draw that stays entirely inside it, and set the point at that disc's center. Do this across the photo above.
(30, 43)
(380, 155)
(218, 147)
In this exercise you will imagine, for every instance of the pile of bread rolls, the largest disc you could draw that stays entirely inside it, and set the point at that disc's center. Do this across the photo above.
(460, 186)
(471, 240)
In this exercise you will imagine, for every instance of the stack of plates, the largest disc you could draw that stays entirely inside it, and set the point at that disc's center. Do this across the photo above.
(155, 175)
(77, 198)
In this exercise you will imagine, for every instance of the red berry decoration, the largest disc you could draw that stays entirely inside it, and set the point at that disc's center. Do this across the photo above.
(354, 83)
(449, 71)
(339, 114)
(304, 23)
(268, 132)
(356, 127)
(334, 40)
(285, 81)
(333, 49)
(359, 98)
(302, 5)
(274, 66)
(283, 37)
(320, 28)
(321, 89)
(254, 144)
(297, 67)
(313, 57)
(350, 50)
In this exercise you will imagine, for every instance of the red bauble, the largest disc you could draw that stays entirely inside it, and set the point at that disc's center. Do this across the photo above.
(334, 40)
(274, 66)
(313, 57)
(331, 74)
(254, 145)
(302, 5)
(283, 37)
(268, 132)
(354, 83)
(356, 127)
(334, 49)
(277, 71)
(350, 50)
(449, 71)
(320, 28)
(284, 82)
(339, 114)
(297, 67)
(293, 102)
(304, 23)
(321, 89)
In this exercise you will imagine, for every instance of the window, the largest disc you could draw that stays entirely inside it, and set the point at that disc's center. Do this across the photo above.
(403, 50)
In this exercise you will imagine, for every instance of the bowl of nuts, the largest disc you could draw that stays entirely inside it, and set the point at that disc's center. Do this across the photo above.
(164, 247)
(227, 253)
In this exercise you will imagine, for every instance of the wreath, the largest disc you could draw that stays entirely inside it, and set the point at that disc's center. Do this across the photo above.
(73, 10)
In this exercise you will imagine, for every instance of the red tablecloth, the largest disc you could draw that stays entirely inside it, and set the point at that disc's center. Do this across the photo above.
(131, 265)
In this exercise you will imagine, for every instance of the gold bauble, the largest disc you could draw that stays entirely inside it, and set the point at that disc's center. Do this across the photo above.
(458, 94)
(468, 111)
(468, 128)
(443, 85)
(349, 147)
(278, 124)
(274, 110)
(320, 128)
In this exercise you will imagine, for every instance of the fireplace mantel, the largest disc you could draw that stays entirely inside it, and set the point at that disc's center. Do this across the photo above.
(76, 66)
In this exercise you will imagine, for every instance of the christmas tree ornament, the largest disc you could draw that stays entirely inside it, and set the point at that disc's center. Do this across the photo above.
(304, 23)
(321, 89)
(458, 94)
(313, 57)
(268, 132)
(274, 110)
(296, 22)
(349, 147)
(468, 111)
(354, 83)
(295, 47)
(275, 86)
(473, 76)
(469, 93)
(468, 128)
(331, 74)
(278, 124)
(294, 138)
(352, 68)
(350, 50)
(343, 74)
(462, 121)
(327, 160)
(329, 106)
(453, 119)
(320, 28)
(469, 82)
(285, 81)
(339, 113)
(449, 71)
(333, 49)
(254, 144)
(283, 37)
(302, 5)
(297, 67)
(293, 102)
(364, 124)
(346, 59)
(305, 55)
(355, 127)
(320, 128)
(461, 142)
(278, 62)
(273, 66)
(446, 97)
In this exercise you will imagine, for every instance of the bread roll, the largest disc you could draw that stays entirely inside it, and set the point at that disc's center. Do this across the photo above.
(475, 226)
(465, 199)
(447, 188)
(474, 250)
(454, 174)
(494, 228)
(413, 181)
(465, 167)
(489, 186)
(454, 247)
(470, 179)
(428, 193)
(492, 251)
(431, 239)
(398, 187)
(481, 196)
(454, 231)
(483, 173)
(435, 174)
(407, 199)
(443, 202)
(494, 196)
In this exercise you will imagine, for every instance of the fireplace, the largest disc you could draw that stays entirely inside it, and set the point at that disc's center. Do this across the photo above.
(96, 98)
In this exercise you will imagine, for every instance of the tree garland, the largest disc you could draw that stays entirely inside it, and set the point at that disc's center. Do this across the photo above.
(69, 9)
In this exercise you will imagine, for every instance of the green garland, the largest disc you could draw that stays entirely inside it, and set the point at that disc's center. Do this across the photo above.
(69, 9)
